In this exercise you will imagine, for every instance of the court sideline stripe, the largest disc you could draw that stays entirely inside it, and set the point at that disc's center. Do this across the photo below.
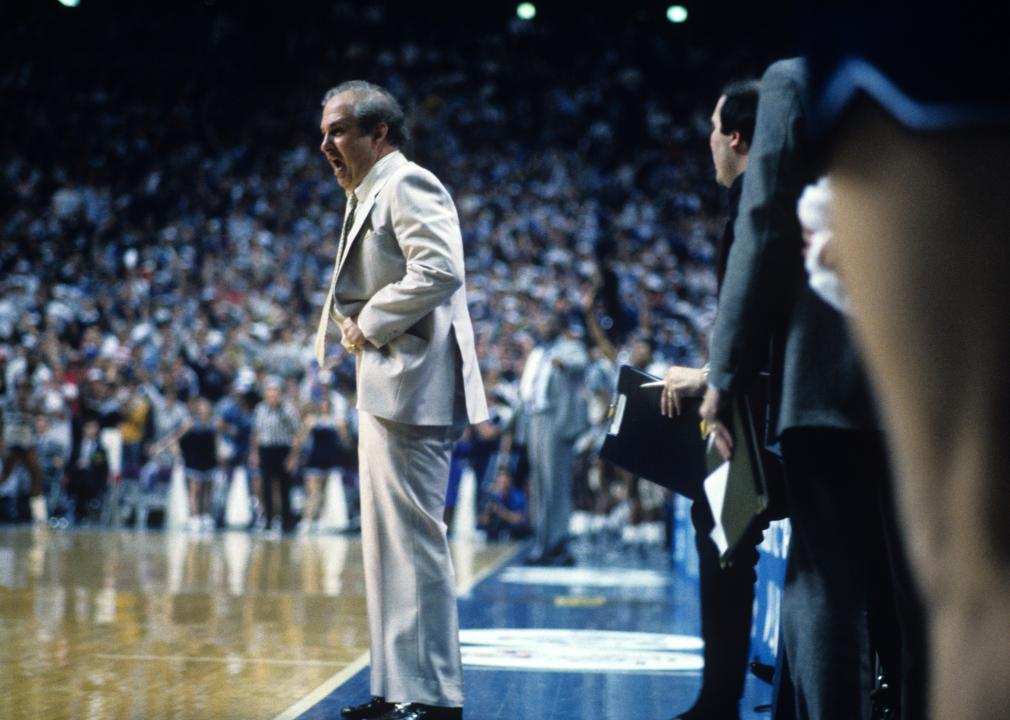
(317, 695)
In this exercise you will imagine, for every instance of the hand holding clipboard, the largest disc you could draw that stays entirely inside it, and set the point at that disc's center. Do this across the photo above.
(669, 451)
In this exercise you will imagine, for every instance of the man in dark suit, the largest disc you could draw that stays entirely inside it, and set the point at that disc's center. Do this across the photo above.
(820, 411)
(727, 594)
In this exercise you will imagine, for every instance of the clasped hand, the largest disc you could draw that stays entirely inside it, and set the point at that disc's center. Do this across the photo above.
(353, 340)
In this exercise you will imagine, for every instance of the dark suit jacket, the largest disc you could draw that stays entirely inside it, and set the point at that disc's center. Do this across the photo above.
(816, 376)
(726, 241)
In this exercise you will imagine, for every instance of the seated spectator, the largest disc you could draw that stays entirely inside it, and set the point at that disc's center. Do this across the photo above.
(505, 515)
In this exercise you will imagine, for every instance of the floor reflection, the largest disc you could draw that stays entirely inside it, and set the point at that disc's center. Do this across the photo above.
(101, 624)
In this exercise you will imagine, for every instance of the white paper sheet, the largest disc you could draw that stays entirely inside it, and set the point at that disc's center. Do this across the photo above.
(715, 491)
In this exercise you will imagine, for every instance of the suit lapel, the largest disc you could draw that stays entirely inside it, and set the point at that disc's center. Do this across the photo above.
(364, 208)
(361, 214)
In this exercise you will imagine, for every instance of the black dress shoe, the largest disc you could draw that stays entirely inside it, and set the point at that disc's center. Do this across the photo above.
(374, 708)
(417, 711)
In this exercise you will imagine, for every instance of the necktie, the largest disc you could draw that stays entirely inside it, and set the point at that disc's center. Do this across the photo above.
(352, 206)
(330, 307)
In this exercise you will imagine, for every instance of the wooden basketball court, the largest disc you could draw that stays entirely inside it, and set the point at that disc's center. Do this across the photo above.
(107, 624)
(148, 625)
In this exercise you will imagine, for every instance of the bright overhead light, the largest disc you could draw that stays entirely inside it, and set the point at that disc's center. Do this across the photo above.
(526, 11)
(70, 3)
(676, 14)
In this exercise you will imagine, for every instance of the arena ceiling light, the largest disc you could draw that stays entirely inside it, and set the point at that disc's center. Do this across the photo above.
(676, 14)
(526, 11)
(70, 3)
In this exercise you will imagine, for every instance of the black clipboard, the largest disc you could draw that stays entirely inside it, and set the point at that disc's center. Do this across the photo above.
(668, 451)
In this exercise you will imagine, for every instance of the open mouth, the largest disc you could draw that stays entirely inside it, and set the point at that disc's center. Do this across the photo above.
(336, 163)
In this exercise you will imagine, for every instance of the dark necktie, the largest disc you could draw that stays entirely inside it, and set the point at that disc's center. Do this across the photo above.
(353, 205)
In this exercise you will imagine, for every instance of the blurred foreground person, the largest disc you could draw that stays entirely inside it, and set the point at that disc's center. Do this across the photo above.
(398, 297)
(919, 143)
(844, 551)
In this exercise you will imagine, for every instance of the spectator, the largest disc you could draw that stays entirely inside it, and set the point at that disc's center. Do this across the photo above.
(136, 426)
(89, 475)
(234, 424)
(505, 515)
(199, 455)
(171, 420)
(19, 413)
(328, 445)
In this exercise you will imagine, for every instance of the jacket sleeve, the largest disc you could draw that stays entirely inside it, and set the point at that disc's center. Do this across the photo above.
(426, 228)
(767, 244)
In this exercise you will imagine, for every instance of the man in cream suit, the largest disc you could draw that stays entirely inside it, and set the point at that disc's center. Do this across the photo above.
(398, 301)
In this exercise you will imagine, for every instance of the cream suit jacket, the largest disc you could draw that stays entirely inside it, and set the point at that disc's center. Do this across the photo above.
(402, 276)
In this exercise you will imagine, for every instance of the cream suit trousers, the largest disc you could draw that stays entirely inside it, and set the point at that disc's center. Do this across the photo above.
(410, 584)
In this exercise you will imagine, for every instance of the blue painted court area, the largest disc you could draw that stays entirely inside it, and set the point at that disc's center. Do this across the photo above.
(613, 638)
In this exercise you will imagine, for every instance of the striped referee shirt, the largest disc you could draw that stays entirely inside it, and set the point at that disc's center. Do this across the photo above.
(275, 426)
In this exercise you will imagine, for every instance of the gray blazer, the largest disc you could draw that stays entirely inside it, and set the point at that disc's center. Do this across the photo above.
(817, 378)
(402, 276)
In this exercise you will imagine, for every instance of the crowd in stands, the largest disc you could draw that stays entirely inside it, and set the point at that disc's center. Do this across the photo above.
(168, 229)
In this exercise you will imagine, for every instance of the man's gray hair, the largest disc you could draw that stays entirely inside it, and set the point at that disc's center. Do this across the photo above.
(373, 104)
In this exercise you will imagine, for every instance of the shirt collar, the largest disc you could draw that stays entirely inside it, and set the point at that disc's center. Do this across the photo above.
(379, 170)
